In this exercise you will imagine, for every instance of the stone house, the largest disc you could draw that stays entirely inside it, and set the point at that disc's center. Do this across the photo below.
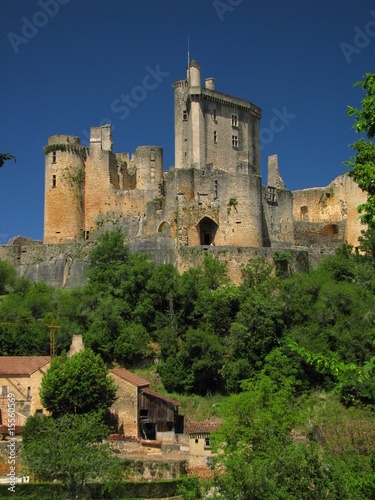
(22, 376)
(200, 440)
(140, 412)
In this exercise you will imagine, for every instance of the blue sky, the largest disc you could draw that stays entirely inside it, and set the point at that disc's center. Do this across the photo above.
(66, 63)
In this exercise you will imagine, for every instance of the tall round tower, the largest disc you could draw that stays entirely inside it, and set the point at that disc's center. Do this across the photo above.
(64, 189)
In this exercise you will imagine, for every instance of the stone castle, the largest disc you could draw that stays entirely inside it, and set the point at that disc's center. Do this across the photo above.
(212, 196)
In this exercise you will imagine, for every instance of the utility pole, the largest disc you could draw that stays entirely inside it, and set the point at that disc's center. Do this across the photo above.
(52, 327)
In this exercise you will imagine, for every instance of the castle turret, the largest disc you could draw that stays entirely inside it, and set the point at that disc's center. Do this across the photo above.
(194, 76)
(64, 189)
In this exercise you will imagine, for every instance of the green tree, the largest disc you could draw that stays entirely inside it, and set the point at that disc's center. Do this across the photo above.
(77, 385)
(7, 277)
(69, 449)
(107, 260)
(363, 164)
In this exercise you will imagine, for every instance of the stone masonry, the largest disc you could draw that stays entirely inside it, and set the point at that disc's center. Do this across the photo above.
(213, 194)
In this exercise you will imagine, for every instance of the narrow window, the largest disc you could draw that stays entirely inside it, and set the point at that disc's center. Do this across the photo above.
(215, 136)
(4, 390)
(152, 172)
(53, 156)
(28, 393)
(234, 121)
(185, 115)
(207, 442)
(214, 115)
(54, 181)
(271, 194)
(196, 440)
(87, 235)
(234, 141)
(216, 191)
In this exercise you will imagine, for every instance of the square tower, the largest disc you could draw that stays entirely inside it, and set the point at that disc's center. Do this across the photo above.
(214, 128)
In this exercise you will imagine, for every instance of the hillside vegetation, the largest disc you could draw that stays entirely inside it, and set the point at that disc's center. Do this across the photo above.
(286, 359)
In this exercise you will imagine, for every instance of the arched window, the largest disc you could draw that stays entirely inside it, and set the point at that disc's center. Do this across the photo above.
(207, 229)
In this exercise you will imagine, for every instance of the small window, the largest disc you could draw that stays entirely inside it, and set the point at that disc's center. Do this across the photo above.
(207, 442)
(152, 171)
(87, 235)
(234, 121)
(234, 141)
(53, 156)
(28, 393)
(185, 115)
(271, 194)
(152, 157)
(54, 181)
(39, 413)
(215, 136)
(214, 115)
(196, 440)
(4, 390)
(216, 191)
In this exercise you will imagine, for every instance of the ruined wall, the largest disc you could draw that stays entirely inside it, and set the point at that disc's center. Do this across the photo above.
(330, 206)
(236, 257)
(278, 217)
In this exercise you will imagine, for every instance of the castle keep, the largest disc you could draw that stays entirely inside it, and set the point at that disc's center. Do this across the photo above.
(212, 195)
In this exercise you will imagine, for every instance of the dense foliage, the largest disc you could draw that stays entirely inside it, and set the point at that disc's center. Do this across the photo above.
(278, 343)
(207, 334)
(68, 449)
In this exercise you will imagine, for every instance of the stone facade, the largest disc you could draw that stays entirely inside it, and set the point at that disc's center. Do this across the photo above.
(140, 412)
(213, 194)
(125, 408)
(22, 376)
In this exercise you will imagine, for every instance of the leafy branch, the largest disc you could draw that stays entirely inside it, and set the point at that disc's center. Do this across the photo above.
(5, 157)
(331, 365)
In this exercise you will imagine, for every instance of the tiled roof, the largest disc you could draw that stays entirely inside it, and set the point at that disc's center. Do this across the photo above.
(174, 402)
(21, 365)
(130, 377)
(205, 427)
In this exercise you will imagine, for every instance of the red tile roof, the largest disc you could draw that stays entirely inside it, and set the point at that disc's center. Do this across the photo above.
(130, 377)
(21, 365)
(205, 427)
(154, 394)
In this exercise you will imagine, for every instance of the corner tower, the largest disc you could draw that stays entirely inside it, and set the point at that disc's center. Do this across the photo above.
(64, 189)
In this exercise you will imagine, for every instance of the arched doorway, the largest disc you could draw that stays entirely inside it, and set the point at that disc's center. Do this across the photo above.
(207, 231)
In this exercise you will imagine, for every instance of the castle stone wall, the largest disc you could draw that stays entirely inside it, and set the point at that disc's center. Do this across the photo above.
(331, 205)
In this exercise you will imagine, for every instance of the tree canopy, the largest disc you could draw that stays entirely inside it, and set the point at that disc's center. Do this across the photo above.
(77, 385)
(363, 164)
(69, 449)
